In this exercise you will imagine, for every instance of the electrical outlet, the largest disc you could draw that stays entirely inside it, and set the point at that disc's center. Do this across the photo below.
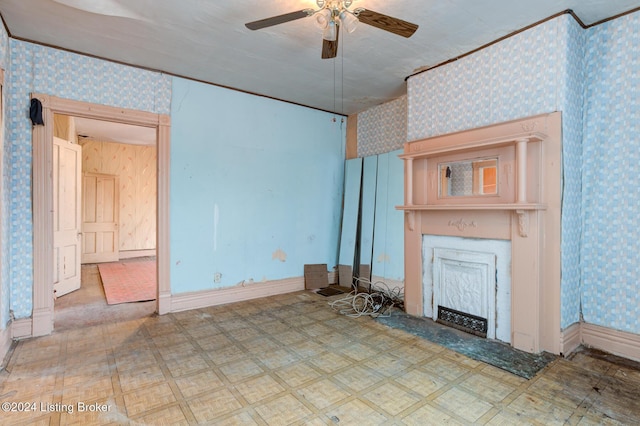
(217, 277)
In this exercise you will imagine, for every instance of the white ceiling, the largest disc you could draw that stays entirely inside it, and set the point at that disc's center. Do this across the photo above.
(106, 131)
(207, 40)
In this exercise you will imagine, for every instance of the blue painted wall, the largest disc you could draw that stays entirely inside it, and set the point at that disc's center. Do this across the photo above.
(256, 187)
(41, 69)
(254, 181)
(611, 176)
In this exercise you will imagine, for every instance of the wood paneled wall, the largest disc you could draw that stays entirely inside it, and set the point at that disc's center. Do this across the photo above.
(135, 165)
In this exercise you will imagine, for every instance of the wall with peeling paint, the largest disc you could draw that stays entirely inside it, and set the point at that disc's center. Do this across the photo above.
(256, 187)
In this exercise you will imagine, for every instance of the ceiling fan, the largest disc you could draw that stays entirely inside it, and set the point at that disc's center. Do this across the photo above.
(333, 14)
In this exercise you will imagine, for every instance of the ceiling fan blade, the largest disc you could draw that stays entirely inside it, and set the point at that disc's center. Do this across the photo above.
(387, 23)
(275, 20)
(330, 48)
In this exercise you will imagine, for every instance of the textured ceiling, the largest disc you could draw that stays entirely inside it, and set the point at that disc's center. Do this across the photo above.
(207, 40)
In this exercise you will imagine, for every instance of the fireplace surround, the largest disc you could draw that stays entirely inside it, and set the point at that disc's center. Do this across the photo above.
(472, 276)
(520, 203)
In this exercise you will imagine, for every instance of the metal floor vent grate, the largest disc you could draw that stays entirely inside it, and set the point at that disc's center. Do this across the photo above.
(463, 321)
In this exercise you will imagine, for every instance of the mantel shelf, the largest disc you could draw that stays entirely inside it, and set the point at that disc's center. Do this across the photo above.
(421, 149)
(445, 207)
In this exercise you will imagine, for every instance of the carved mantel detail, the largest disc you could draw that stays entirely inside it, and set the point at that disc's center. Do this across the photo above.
(461, 224)
(523, 223)
(411, 219)
(529, 126)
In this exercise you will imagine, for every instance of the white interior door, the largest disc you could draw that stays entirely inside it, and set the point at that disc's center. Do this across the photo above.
(67, 168)
(100, 194)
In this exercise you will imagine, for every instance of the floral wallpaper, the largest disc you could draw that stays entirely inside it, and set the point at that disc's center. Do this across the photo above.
(36, 68)
(515, 78)
(383, 128)
(571, 99)
(611, 163)
(5, 180)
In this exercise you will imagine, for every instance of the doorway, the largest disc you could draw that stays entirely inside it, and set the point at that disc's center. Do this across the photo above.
(114, 200)
(43, 297)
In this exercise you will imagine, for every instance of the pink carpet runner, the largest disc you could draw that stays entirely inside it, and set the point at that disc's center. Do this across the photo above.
(133, 281)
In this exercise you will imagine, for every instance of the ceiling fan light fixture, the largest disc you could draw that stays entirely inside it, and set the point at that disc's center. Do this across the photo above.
(329, 16)
(330, 33)
(349, 21)
(323, 18)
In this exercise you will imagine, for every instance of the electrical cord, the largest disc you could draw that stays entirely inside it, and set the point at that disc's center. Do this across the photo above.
(376, 302)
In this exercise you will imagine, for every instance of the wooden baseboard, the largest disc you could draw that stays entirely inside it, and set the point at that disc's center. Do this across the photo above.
(164, 303)
(5, 345)
(202, 299)
(613, 341)
(130, 254)
(21, 328)
(42, 322)
(570, 338)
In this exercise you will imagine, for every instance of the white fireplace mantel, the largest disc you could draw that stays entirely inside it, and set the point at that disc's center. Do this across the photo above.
(525, 210)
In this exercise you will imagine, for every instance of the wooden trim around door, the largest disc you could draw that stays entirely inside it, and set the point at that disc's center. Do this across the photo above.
(42, 140)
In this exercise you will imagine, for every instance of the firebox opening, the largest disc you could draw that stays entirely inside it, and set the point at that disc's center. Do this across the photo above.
(467, 284)
(462, 321)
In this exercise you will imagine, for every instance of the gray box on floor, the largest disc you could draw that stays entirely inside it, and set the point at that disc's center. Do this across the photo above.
(316, 276)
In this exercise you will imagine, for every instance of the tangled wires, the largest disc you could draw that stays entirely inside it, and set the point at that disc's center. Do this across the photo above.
(377, 302)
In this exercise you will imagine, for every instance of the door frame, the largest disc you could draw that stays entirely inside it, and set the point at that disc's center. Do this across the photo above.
(42, 141)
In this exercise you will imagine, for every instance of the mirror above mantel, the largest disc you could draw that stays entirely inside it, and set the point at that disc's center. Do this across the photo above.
(475, 177)
(484, 174)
